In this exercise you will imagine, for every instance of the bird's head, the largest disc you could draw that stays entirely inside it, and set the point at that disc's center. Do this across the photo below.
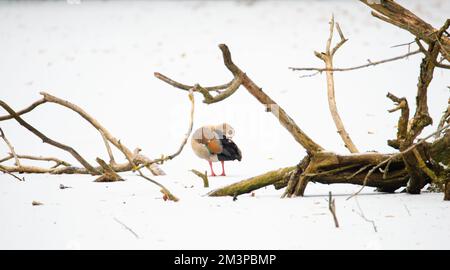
(226, 130)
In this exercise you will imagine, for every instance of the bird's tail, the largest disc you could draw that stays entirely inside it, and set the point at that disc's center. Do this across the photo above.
(230, 151)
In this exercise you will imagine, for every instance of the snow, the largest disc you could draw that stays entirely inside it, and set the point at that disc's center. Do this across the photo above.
(102, 55)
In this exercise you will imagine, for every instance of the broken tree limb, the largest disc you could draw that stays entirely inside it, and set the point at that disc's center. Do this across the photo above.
(163, 190)
(253, 183)
(327, 58)
(3, 170)
(24, 111)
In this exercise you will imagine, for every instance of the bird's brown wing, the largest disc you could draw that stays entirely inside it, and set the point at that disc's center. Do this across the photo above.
(214, 146)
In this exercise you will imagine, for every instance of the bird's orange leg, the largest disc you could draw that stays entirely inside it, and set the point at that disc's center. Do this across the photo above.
(212, 171)
(223, 168)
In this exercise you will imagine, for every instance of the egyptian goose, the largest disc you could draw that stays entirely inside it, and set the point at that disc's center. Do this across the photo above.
(214, 144)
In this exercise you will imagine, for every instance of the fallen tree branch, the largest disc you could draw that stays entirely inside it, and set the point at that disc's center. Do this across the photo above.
(108, 149)
(103, 131)
(253, 183)
(164, 190)
(24, 111)
(45, 139)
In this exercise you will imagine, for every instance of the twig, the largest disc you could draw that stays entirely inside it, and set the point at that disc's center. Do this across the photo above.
(327, 58)
(57, 161)
(188, 87)
(126, 227)
(2, 169)
(108, 149)
(361, 214)
(403, 44)
(24, 111)
(11, 148)
(164, 190)
(371, 63)
(332, 208)
(203, 176)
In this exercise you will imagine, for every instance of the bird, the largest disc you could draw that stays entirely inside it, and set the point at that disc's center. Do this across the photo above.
(213, 143)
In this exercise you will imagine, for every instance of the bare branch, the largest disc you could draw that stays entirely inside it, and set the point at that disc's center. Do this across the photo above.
(45, 139)
(332, 208)
(327, 58)
(4, 170)
(127, 153)
(393, 13)
(371, 63)
(24, 111)
(11, 148)
(108, 148)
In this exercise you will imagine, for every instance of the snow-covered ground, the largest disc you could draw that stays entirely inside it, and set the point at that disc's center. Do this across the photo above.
(102, 55)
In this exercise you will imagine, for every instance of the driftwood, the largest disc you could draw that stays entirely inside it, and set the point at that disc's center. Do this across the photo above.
(107, 171)
(416, 163)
